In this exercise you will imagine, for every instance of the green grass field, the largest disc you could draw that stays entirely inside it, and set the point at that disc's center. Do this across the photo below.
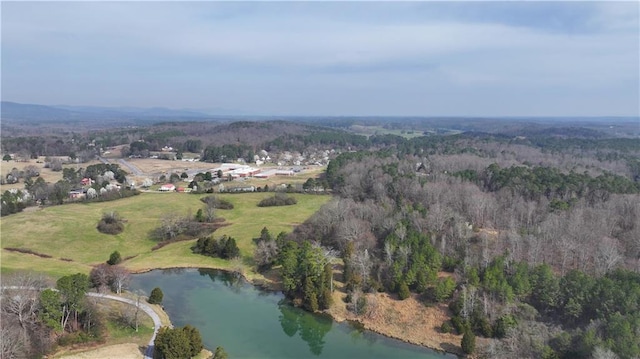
(69, 232)
(379, 130)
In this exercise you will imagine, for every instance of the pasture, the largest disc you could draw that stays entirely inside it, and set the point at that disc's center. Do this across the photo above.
(69, 236)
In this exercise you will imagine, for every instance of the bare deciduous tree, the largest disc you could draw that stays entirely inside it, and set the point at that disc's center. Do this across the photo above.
(607, 255)
(18, 310)
(603, 353)
(120, 277)
(100, 277)
(363, 262)
(265, 253)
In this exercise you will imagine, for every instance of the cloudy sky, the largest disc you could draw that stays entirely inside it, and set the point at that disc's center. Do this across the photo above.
(328, 58)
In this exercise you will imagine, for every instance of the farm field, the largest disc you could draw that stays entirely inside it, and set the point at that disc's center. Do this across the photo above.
(379, 130)
(298, 178)
(156, 166)
(69, 236)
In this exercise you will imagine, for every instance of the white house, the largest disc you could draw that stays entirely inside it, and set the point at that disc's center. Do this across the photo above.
(167, 187)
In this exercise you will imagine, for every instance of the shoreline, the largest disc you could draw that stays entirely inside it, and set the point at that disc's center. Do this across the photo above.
(404, 340)
(268, 285)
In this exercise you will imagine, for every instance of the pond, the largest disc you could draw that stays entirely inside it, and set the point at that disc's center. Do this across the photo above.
(253, 323)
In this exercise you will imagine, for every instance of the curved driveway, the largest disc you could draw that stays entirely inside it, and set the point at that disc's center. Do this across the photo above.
(148, 354)
(146, 308)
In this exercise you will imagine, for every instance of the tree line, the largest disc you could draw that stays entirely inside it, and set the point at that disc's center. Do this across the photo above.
(509, 236)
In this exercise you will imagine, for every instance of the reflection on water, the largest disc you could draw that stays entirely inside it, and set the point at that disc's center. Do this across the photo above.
(312, 328)
(252, 323)
(232, 280)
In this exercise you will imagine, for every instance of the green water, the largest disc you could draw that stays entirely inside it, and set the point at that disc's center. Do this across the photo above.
(252, 323)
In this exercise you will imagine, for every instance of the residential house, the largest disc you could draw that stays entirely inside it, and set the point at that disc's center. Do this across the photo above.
(167, 187)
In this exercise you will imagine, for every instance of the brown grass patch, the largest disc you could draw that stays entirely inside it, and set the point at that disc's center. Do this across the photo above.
(408, 320)
(118, 351)
(157, 166)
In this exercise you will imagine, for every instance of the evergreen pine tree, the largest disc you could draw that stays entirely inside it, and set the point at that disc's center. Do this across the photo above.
(156, 296)
(468, 342)
(114, 258)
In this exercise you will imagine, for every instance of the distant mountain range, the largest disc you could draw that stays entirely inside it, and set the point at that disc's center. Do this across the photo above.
(41, 113)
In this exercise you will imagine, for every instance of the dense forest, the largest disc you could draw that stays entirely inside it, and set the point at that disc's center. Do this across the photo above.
(544, 245)
(541, 234)
(530, 233)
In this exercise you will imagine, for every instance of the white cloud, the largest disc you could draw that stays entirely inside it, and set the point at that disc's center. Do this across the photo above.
(278, 46)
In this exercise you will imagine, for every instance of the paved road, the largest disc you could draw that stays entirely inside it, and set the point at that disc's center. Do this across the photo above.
(148, 354)
(103, 160)
(136, 171)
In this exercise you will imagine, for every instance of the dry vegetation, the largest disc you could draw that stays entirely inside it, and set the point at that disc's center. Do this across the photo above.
(409, 320)
(157, 166)
(117, 351)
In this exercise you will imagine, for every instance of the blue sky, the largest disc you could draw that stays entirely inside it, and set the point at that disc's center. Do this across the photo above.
(328, 58)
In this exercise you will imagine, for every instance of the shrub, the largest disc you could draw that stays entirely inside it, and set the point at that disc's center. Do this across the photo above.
(446, 327)
(224, 247)
(279, 199)
(111, 223)
(114, 258)
(326, 300)
(403, 291)
(444, 289)
(483, 327)
(216, 202)
(220, 354)
(199, 216)
(361, 305)
(459, 324)
(449, 264)
(156, 296)
(178, 343)
(195, 339)
(503, 324)
(172, 344)
(173, 226)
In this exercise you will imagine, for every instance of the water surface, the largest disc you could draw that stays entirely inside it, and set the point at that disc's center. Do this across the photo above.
(253, 323)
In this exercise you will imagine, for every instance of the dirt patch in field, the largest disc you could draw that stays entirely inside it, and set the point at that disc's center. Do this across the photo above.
(149, 165)
(118, 351)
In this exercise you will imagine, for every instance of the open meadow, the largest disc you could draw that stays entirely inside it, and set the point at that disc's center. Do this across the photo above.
(296, 179)
(69, 236)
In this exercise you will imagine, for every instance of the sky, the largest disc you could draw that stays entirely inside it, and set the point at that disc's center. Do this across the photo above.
(321, 58)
